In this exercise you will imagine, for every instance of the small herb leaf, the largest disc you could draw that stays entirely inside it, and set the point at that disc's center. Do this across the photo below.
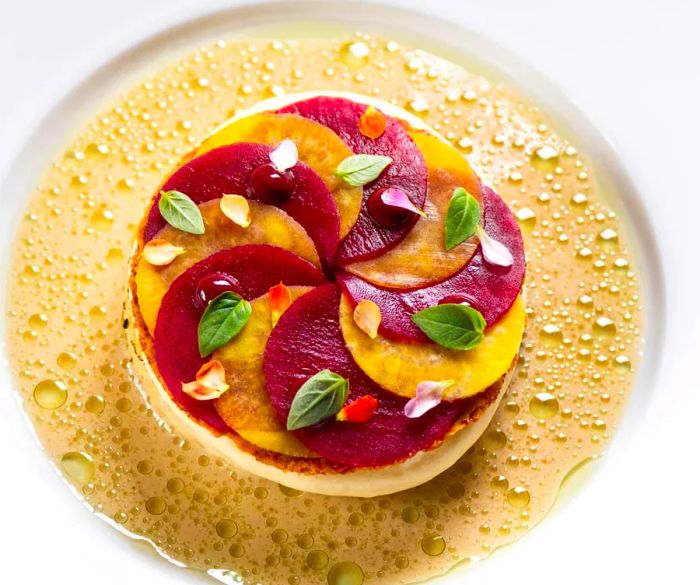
(463, 217)
(222, 321)
(181, 212)
(451, 325)
(319, 398)
(359, 169)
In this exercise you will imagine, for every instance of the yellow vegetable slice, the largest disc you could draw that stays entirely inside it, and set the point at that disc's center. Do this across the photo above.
(318, 146)
(420, 258)
(269, 225)
(246, 406)
(400, 367)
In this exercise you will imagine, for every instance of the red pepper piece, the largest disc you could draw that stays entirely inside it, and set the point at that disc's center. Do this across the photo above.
(359, 410)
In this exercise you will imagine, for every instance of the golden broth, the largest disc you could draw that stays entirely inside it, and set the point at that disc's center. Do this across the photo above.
(70, 355)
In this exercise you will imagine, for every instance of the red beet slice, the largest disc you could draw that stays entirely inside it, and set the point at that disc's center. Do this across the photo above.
(256, 268)
(308, 339)
(367, 239)
(227, 169)
(490, 289)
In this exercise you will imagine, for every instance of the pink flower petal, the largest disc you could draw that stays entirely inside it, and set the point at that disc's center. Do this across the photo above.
(494, 252)
(428, 395)
(285, 155)
(397, 198)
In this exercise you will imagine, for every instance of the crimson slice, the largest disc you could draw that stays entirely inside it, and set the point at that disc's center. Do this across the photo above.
(253, 269)
(490, 289)
(228, 170)
(367, 239)
(308, 339)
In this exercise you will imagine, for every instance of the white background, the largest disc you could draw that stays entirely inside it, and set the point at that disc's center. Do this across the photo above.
(633, 67)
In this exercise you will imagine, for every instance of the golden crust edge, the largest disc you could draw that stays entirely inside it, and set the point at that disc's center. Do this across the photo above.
(309, 475)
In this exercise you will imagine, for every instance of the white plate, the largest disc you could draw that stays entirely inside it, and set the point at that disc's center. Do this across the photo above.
(568, 525)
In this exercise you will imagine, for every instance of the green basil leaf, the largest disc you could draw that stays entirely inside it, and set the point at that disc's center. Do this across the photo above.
(452, 326)
(222, 321)
(463, 217)
(181, 212)
(319, 398)
(359, 169)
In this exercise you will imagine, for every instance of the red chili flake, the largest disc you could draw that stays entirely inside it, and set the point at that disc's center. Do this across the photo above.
(280, 299)
(360, 410)
(372, 123)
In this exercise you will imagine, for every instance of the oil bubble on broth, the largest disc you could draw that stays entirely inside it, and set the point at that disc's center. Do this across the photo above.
(71, 357)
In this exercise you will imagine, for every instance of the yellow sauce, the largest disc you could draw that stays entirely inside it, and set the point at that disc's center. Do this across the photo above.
(71, 358)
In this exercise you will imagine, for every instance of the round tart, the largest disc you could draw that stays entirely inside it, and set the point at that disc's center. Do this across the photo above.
(328, 295)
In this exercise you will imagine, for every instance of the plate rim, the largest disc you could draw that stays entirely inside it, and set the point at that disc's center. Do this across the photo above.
(501, 63)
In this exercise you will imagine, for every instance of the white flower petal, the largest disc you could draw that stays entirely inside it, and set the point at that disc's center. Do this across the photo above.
(428, 395)
(285, 155)
(236, 208)
(494, 252)
(159, 252)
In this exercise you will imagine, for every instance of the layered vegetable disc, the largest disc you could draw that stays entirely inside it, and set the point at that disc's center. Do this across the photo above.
(324, 283)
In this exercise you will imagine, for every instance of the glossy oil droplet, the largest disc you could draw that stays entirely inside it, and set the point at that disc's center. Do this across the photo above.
(38, 321)
(226, 528)
(66, 361)
(95, 404)
(545, 158)
(605, 326)
(346, 573)
(433, 545)
(495, 439)
(317, 559)
(544, 405)
(518, 497)
(410, 514)
(175, 485)
(50, 394)
(79, 466)
(155, 505)
(354, 54)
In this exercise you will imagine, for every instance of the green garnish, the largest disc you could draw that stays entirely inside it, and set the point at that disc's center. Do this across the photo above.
(359, 169)
(463, 217)
(181, 212)
(451, 325)
(320, 397)
(222, 321)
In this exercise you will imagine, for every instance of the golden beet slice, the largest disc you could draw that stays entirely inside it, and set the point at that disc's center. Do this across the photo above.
(246, 406)
(318, 146)
(399, 367)
(421, 258)
(269, 225)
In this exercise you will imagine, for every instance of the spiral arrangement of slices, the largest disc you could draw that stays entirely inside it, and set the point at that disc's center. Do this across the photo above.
(331, 250)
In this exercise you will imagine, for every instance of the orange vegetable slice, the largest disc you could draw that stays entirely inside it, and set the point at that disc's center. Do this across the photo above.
(420, 258)
(246, 406)
(271, 226)
(318, 146)
(400, 367)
